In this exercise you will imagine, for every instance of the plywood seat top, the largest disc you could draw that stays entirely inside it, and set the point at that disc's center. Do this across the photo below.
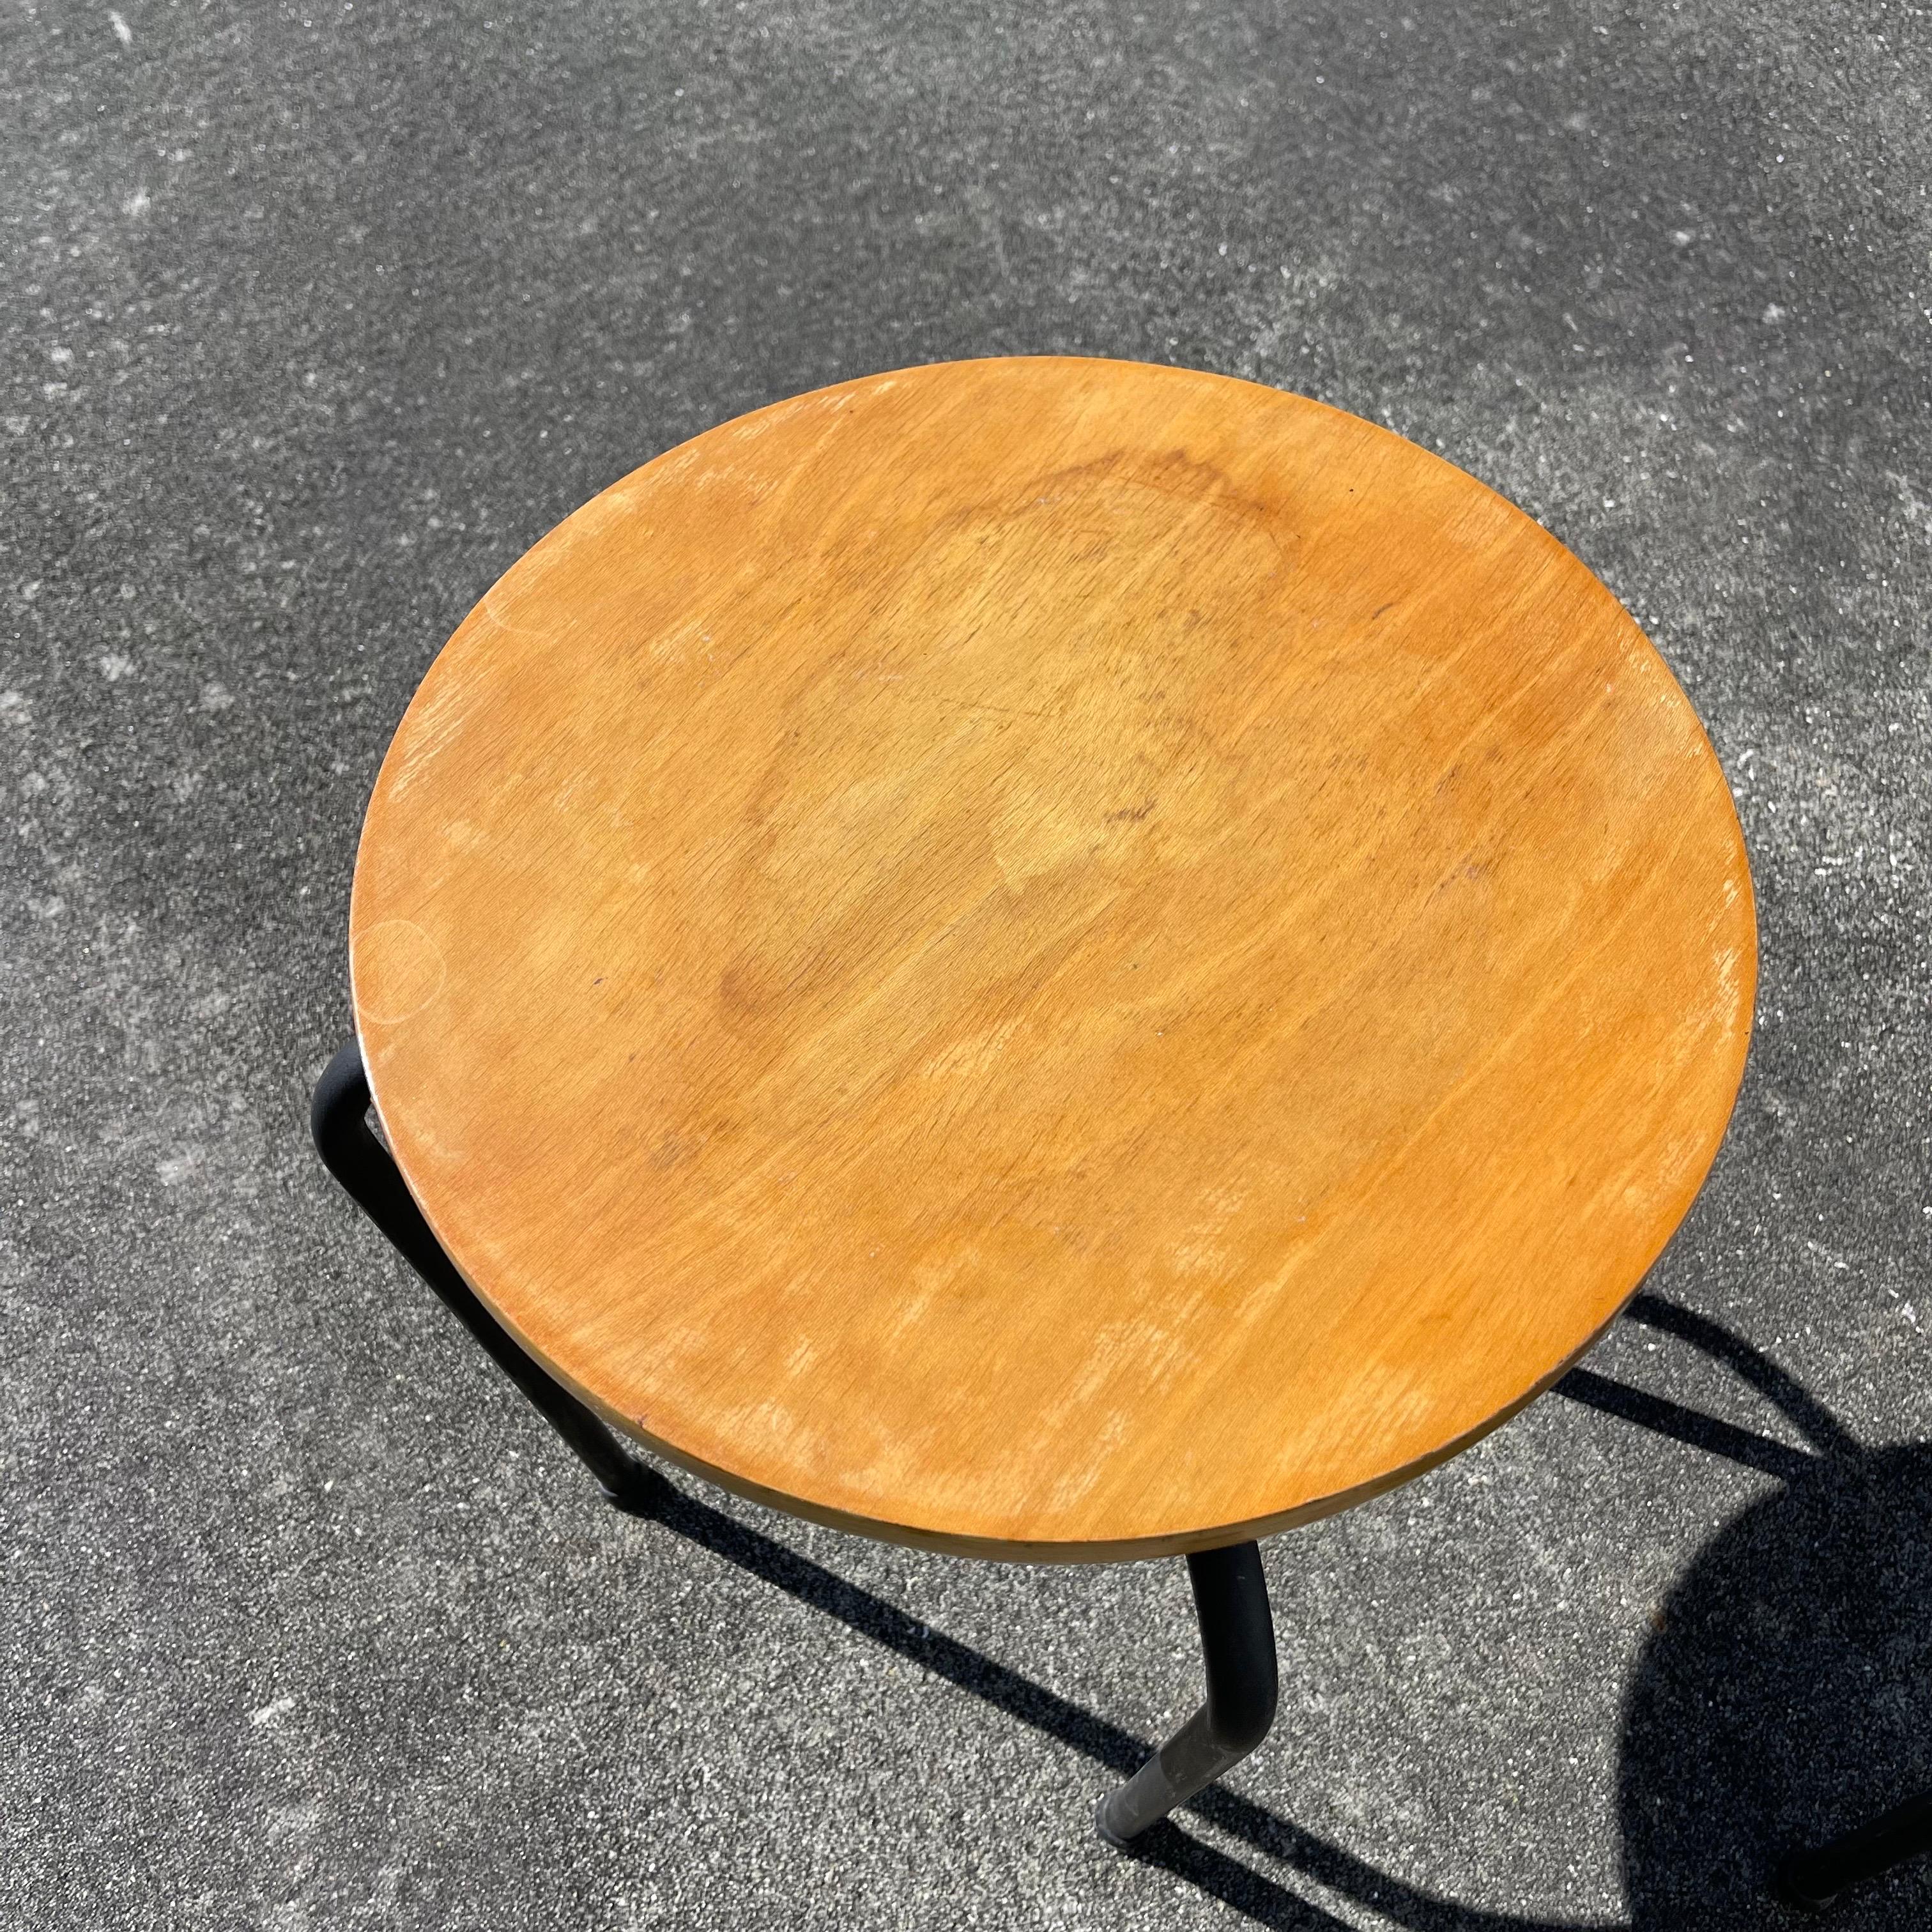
(1050, 957)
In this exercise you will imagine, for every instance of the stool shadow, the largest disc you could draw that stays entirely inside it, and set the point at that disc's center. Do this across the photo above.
(1786, 1696)
(1785, 1693)
(1118, 1751)
(1766, 1710)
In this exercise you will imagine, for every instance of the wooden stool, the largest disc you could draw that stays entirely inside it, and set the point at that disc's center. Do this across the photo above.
(1051, 959)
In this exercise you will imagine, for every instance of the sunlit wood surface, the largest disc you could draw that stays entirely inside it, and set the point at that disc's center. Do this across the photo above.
(1055, 958)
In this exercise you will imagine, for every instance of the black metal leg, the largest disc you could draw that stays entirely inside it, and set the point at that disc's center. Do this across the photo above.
(1815, 1878)
(1237, 1643)
(339, 1119)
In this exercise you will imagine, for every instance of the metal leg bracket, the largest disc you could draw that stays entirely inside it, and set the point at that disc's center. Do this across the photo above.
(1237, 1643)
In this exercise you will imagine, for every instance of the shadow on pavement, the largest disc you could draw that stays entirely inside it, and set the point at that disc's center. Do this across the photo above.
(1119, 1750)
(1784, 1695)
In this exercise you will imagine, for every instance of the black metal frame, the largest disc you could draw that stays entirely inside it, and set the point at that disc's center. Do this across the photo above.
(1230, 1592)
(1813, 1878)
(1237, 1645)
(339, 1120)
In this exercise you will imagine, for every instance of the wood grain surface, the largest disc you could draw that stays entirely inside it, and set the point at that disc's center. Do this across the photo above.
(1050, 957)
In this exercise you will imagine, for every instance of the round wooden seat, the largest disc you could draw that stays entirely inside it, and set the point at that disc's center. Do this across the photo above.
(1051, 957)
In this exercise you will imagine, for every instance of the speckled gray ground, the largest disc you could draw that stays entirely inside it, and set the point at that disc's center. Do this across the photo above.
(316, 316)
